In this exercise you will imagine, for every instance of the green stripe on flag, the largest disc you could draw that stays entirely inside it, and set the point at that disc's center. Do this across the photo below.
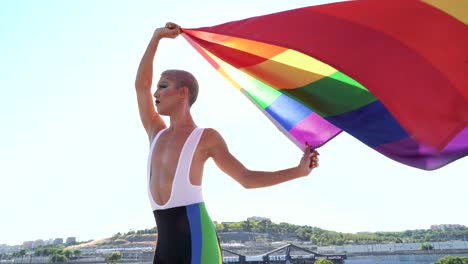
(332, 95)
(261, 93)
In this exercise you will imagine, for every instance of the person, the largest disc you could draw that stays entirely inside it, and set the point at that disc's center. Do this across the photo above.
(177, 155)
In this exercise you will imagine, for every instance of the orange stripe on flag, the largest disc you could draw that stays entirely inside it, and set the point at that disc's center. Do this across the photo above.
(254, 47)
(456, 8)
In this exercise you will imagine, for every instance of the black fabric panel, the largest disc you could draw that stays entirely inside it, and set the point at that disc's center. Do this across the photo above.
(174, 239)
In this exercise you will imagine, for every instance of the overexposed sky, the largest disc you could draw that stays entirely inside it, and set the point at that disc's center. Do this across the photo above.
(73, 153)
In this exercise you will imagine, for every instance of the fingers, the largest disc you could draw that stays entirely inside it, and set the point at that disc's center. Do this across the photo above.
(170, 30)
(171, 25)
(307, 146)
(313, 163)
(312, 155)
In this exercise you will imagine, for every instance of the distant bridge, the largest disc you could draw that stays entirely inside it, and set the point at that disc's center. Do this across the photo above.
(275, 256)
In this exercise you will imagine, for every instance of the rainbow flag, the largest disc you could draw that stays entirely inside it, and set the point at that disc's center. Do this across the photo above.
(391, 73)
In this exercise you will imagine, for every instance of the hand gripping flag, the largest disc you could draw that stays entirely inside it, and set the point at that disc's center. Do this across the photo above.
(391, 73)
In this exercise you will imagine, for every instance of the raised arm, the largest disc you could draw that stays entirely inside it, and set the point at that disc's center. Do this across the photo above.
(151, 120)
(218, 150)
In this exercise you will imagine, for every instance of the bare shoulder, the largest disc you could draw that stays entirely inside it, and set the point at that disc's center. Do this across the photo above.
(154, 132)
(211, 136)
(211, 140)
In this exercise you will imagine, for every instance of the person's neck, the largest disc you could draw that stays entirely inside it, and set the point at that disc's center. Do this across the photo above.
(181, 120)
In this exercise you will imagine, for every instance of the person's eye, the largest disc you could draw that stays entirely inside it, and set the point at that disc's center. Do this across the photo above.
(163, 85)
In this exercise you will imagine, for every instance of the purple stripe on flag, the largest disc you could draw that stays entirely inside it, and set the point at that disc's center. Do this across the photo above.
(315, 130)
(412, 153)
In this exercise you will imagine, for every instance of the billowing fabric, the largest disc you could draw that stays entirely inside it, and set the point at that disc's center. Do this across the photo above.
(391, 73)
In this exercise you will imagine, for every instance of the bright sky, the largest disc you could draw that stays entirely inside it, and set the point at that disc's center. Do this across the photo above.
(73, 153)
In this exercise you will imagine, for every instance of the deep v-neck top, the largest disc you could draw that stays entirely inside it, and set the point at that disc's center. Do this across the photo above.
(183, 192)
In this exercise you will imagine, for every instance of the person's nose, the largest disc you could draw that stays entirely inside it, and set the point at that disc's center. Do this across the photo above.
(156, 94)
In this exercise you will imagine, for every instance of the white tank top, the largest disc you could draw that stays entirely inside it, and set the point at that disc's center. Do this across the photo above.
(183, 192)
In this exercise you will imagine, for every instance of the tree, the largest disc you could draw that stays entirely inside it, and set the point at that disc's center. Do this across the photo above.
(452, 260)
(246, 226)
(76, 252)
(323, 261)
(58, 258)
(68, 253)
(255, 226)
(22, 253)
(131, 232)
(114, 258)
(265, 224)
(427, 246)
(118, 235)
(225, 227)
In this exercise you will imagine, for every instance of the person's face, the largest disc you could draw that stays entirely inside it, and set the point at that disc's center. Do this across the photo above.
(167, 96)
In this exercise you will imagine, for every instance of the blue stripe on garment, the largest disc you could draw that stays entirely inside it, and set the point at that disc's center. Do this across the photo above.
(372, 124)
(193, 214)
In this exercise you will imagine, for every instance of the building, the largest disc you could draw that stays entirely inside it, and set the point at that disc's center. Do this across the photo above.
(3, 248)
(447, 226)
(258, 219)
(58, 241)
(38, 243)
(71, 240)
(28, 244)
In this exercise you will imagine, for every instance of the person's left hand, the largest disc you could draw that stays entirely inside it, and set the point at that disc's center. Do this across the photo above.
(309, 160)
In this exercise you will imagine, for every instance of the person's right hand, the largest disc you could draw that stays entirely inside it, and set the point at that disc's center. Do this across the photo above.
(171, 30)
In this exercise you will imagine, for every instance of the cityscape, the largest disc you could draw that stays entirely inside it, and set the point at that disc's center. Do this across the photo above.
(253, 240)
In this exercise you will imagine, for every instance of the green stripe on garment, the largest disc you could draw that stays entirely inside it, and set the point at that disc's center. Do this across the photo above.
(210, 247)
(332, 95)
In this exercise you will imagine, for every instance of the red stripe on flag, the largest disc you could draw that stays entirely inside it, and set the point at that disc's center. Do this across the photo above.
(435, 35)
(201, 51)
(236, 58)
(421, 97)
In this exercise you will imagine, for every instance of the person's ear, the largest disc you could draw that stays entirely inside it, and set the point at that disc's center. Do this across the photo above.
(184, 92)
